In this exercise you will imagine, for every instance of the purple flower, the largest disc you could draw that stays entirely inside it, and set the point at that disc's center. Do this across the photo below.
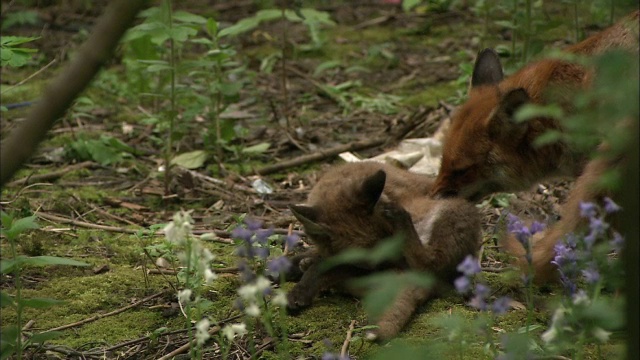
(588, 209)
(590, 239)
(279, 265)
(617, 242)
(610, 206)
(513, 223)
(253, 224)
(482, 290)
(519, 230)
(565, 254)
(501, 305)
(242, 233)
(332, 356)
(598, 226)
(462, 284)
(261, 252)
(591, 274)
(469, 266)
(263, 234)
(537, 227)
(478, 302)
(292, 240)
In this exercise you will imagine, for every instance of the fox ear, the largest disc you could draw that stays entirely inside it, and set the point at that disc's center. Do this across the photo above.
(308, 216)
(503, 122)
(372, 188)
(487, 69)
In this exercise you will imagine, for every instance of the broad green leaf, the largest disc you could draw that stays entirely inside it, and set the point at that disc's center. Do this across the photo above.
(21, 225)
(326, 66)
(6, 300)
(190, 160)
(52, 260)
(44, 336)
(7, 266)
(407, 5)
(529, 111)
(548, 137)
(40, 303)
(189, 18)
(212, 27)
(257, 149)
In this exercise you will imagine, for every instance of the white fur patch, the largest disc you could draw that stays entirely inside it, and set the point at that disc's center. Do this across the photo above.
(425, 227)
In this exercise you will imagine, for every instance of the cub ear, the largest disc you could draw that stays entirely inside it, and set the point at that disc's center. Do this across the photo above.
(372, 188)
(503, 123)
(308, 216)
(487, 70)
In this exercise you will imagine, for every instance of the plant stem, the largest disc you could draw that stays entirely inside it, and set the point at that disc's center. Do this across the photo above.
(172, 95)
(613, 5)
(18, 301)
(513, 31)
(285, 94)
(527, 31)
(575, 20)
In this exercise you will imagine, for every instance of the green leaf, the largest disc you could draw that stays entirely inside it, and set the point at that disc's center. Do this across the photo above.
(212, 27)
(257, 149)
(326, 66)
(186, 17)
(529, 111)
(42, 337)
(190, 160)
(52, 260)
(549, 137)
(21, 225)
(407, 5)
(40, 303)
(6, 300)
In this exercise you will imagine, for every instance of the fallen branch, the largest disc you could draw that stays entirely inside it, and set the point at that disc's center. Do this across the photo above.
(115, 312)
(188, 345)
(18, 147)
(347, 340)
(50, 176)
(321, 155)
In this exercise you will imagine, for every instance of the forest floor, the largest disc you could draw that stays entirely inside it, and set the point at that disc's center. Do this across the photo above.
(395, 75)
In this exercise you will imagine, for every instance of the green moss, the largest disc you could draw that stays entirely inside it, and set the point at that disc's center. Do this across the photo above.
(430, 95)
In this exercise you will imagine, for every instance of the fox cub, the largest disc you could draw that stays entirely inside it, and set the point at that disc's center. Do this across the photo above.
(357, 205)
(487, 151)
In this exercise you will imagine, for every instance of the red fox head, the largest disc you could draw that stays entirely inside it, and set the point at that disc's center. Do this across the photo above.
(486, 150)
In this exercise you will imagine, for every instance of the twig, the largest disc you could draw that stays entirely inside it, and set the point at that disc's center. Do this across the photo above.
(52, 175)
(320, 155)
(185, 347)
(30, 76)
(21, 191)
(347, 340)
(115, 312)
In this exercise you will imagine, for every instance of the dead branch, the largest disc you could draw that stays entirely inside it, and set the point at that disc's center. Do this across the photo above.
(347, 340)
(50, 176)
(188, 345)
(115, 312)
(23, 141)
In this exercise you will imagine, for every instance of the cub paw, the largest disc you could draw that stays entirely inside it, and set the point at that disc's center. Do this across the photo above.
(297, 301)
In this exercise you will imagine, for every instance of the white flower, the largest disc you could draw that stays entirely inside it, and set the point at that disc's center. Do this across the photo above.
(581, 298)
(252, 310)
(550, 335)
(248, 291)
(209, 276)
(207, 256)
(601, 334)
(280, 299)
(262, 284)
(202, 331)
(184, 296)
(230, 331)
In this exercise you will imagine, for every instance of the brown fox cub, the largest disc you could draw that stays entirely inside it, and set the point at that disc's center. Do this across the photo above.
(487, 151)
(357, 205)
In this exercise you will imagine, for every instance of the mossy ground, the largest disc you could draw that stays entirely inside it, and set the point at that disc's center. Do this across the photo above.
(382, 50)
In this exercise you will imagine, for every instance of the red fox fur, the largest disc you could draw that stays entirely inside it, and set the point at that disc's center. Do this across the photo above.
(487, 151)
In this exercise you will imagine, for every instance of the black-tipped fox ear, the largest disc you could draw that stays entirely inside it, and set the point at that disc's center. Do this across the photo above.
(487, 70)
(372, 188)
(308, 216)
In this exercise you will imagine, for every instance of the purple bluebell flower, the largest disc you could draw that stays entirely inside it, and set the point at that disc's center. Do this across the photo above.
(537, 227)
(462, 284)
(591, 274)
(482, 290)
(519, 230)
(292, 240)
(263, 234)
(565, 254)
(261, 252)
(469, 266)
(590, 239)
(588, 209)
(617, 242)
(513, 223)
(242, 233)
(598, 226)
(501, 305)
(478, 302)
(253, 224)
(279, 265)
(610, 206)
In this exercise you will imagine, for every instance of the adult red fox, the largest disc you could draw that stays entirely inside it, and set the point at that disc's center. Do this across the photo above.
(487, 151)
(357, 205)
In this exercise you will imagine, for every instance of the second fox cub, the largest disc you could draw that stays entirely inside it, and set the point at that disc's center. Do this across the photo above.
(357, 205)
(487, 151)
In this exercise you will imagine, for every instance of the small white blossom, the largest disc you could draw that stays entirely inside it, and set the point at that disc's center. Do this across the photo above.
(202, 331)
(207, 256)
(252, 310)
(262, 284)
(184, 296)
(601, 334)
(248, 291)
(550, 335)
(230, 331)
(209, 276)
(280, 299)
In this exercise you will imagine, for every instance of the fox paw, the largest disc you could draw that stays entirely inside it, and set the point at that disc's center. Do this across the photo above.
(297, 301)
